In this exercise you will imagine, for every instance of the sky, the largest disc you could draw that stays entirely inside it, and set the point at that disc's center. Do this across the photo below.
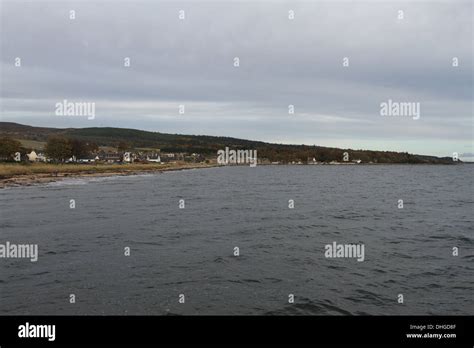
(406, 57)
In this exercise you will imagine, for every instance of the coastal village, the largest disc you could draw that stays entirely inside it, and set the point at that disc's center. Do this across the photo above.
(154, 156)
(110, 157)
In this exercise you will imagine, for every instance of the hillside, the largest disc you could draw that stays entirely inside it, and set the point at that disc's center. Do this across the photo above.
(206, 145)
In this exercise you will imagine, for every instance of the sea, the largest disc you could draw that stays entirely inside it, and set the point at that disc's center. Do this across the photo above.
(244, 240)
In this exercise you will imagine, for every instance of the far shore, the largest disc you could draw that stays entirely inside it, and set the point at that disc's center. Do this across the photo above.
(12, 174)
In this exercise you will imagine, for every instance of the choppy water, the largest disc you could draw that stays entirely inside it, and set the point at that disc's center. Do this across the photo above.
(190, 251)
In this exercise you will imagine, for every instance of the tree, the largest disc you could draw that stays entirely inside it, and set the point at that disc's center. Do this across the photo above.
(79, 148)
(58, 148)
(92, 147)
(9, 146)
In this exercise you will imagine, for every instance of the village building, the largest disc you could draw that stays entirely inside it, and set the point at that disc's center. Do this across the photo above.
(156, 159)
(110, 157)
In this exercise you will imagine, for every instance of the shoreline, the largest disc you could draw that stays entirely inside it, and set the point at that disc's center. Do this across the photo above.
(32, 179)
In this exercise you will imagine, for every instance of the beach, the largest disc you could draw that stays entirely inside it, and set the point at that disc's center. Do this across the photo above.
(12, 174)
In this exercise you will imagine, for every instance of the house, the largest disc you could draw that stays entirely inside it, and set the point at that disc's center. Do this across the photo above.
(127, 157)
(130, 157)
(153, 159)
(110, 157)
(194, 157)
(167, 157)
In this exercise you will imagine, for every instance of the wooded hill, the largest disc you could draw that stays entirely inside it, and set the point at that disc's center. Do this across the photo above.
(208, 145)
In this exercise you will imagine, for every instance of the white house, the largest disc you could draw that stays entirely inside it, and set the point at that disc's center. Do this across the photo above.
(156, 160)
(128, 157)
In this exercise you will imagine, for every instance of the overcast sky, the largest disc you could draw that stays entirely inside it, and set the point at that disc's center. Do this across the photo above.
(300, 62)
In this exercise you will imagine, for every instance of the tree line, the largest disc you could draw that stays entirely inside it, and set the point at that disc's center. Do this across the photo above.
(57, 148)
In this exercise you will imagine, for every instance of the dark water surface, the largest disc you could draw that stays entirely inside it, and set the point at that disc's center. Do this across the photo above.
(190, 251)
